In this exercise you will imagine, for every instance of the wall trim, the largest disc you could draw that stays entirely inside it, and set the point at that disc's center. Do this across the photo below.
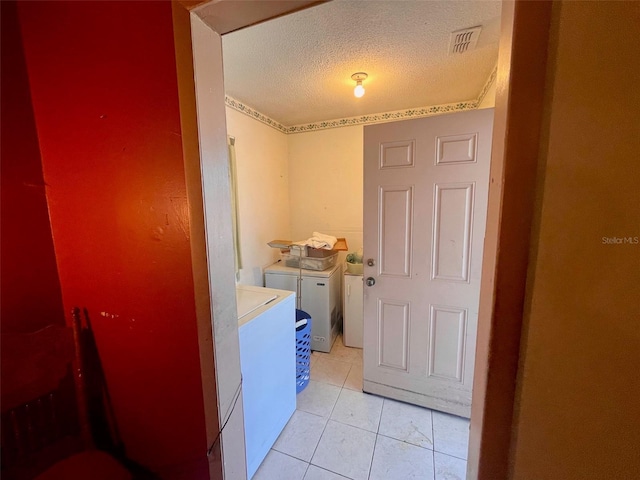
(385, 117)
(253, 113)
(487, 85)
(363, 119)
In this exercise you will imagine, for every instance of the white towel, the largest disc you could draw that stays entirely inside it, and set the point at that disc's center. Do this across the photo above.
(320, 240)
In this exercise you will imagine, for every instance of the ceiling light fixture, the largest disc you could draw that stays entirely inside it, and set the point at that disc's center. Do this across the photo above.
(359, 77)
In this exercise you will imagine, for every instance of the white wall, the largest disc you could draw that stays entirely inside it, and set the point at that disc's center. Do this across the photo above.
(263, 192)
(293, 185)
(325, 183)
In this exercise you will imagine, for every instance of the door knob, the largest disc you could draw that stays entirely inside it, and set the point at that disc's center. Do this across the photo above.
(371, 281)
(371, 262)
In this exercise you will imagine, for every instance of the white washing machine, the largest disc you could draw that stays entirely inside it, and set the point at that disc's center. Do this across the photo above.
(320, 297)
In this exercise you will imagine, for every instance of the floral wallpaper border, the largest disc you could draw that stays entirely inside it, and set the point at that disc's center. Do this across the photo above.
(384, 117)
(487, 85)
(363, 119)
(242, 108)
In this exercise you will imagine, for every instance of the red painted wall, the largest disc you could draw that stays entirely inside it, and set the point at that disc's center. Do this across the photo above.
(104, 91)
(30, 296)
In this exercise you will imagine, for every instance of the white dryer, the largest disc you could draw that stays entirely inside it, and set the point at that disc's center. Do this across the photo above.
(320, 297)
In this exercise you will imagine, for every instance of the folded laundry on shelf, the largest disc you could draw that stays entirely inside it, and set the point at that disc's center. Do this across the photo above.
(319, 241)
(305, 248)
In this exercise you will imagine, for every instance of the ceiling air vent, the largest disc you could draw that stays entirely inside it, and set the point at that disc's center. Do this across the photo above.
(464, 40)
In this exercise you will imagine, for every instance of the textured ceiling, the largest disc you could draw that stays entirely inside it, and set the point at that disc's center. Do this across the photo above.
(297, 69)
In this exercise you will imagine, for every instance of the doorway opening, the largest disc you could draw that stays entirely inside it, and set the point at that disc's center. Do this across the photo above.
(493, 237)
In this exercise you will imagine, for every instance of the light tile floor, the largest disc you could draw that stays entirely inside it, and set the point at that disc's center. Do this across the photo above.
(337, 432)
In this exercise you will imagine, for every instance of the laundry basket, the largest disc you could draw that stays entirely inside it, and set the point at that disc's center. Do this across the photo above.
(303, 349)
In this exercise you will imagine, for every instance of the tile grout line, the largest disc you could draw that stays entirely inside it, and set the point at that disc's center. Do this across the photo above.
(433, 451)
(449, 455)
(334, 407)
(319, 440)
(365, 430)
(331, 471)
(404, 441)
(373, 454)
(345, 378)
(331, 413)
(290, 456)
(328, 419)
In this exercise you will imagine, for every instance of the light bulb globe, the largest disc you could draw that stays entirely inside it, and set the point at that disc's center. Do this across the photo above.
(358, 91)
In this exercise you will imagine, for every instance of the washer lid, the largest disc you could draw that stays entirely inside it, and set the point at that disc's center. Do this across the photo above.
(248, 301)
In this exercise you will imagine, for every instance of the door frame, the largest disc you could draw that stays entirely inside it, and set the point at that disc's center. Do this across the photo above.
(514, 163)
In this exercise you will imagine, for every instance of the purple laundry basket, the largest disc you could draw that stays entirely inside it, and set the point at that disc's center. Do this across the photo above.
(303, 349)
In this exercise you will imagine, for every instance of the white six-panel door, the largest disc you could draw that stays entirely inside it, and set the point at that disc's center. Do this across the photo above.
(425, 201)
